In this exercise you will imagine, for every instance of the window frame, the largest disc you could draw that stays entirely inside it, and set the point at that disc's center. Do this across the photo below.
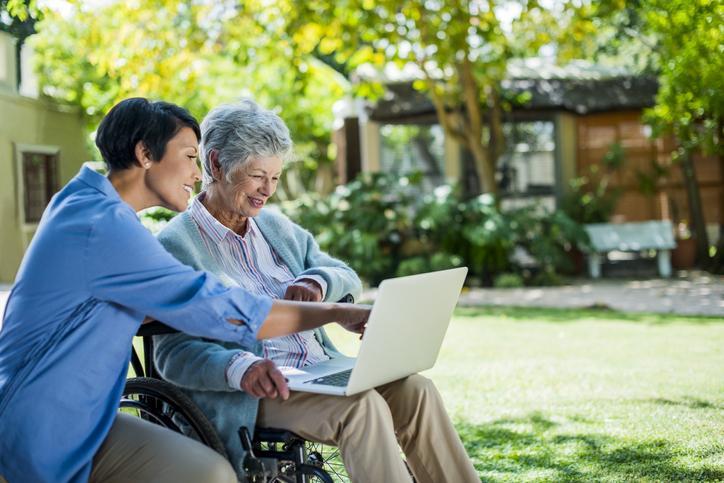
(20, 151)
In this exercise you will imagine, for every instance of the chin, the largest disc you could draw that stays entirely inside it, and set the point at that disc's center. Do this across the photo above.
(178, 206)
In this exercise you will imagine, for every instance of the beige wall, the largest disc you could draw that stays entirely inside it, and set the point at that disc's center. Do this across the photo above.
(25, 121)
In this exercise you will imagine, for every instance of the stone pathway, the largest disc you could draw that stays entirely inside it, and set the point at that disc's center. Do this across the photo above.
(694, 293)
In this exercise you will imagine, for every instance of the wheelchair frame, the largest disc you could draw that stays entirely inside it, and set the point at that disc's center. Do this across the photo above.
(273, 455)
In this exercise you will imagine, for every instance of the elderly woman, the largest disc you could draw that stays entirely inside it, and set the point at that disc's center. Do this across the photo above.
(228, 231)
(88, 280)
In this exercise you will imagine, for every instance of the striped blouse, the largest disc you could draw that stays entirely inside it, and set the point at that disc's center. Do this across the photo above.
(250, 261)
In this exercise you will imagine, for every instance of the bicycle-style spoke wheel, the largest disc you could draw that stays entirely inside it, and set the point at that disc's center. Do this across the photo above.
(329, 459)
(161, 403)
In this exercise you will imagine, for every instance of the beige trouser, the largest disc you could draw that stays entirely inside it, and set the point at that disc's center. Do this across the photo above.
(368, 426)
(138, 451)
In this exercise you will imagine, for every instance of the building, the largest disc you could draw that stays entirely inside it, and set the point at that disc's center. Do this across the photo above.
(42, 146)
(570, 119)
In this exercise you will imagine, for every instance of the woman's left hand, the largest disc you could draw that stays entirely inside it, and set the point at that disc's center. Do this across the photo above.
(304, 290)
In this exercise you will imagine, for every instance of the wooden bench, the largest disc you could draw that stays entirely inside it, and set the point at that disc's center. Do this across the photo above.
(631, 237)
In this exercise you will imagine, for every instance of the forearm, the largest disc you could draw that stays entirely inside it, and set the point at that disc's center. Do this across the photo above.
(288, 317)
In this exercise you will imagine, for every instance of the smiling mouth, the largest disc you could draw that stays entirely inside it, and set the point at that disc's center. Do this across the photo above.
(189, 189)
(256, 203)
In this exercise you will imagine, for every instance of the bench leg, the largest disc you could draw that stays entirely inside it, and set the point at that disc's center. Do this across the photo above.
(594, 265)
(663, 257)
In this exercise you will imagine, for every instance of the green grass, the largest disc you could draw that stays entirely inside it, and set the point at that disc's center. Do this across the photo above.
(584, 395)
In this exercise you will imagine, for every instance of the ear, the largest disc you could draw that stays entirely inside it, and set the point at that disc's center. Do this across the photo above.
(143, 155)
(216, 172)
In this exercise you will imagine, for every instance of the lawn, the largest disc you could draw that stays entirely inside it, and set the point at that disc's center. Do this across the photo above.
(584, 395)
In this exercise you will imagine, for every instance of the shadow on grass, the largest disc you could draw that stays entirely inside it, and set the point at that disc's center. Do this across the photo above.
(689, 402)
(544, 314)
(533, 448)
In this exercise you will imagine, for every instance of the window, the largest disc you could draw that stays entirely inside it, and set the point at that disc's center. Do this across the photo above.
(39, 182)
(413, 147)
(527, 168)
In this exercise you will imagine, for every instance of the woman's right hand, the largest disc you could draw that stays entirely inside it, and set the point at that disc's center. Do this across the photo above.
(353, 317)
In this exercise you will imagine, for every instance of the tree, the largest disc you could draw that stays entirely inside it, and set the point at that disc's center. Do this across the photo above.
(458, 50)
(690, 102)
(196, 54)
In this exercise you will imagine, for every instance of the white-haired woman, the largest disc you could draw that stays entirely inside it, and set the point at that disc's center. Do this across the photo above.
(228, 232)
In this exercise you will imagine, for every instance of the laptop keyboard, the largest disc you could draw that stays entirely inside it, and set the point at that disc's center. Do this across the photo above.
(337, 379)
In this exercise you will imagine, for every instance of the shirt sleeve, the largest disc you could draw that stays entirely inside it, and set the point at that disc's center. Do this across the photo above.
(126, 265)
(239, 364)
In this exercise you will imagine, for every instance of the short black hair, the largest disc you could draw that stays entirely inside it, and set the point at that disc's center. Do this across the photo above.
(138, 119)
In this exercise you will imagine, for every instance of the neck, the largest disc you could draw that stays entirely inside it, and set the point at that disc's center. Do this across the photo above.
(129, 183)
(228, 217)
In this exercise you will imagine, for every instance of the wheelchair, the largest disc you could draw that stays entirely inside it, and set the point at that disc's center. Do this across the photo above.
(273, 455)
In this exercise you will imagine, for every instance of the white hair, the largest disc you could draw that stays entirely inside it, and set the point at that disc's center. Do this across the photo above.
(239, 132)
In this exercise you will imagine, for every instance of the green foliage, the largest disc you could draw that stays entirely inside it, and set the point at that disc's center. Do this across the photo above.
(690, 102)
(382, 226)
(362, 222)
(196, 54)
(508, 280)
(455, 52)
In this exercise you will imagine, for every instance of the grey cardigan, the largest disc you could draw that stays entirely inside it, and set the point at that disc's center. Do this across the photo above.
(198, 365)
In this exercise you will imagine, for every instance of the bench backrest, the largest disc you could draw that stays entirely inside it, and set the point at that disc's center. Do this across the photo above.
(645, 235)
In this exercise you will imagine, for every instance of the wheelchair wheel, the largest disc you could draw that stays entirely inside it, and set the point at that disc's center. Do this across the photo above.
(313, 474)
(327, 458)
(161, 403)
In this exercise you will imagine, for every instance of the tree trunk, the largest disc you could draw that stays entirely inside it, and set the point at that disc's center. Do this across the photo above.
(485, 167)
(695, 210)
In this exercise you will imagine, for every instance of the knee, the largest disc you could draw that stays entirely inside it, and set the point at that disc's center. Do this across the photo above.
(418, 387)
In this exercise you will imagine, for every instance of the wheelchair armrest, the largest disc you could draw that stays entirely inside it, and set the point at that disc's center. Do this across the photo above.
(154, 328)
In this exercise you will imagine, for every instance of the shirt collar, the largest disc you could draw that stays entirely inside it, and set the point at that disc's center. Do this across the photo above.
(96, 180)
(211, 226)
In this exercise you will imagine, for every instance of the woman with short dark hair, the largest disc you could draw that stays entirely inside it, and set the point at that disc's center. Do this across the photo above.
(89, 277)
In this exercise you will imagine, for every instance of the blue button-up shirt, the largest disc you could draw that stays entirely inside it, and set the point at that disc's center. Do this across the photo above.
(90, 275)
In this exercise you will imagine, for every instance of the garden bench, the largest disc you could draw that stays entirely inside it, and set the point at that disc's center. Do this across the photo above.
(631, 237)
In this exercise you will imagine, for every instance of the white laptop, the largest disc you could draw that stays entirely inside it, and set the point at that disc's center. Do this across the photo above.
(403, 336)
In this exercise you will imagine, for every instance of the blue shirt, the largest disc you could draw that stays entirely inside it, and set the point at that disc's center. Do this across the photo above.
(90, 275)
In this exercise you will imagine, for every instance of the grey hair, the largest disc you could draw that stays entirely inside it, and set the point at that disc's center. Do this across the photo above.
(239, 132)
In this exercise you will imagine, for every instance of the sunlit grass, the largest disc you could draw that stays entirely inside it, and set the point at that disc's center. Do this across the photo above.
(583, 395)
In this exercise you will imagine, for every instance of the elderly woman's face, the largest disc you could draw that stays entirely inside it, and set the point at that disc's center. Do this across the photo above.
(247, 189)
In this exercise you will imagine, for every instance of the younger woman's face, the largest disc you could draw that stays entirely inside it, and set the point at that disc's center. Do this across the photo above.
(172, 178)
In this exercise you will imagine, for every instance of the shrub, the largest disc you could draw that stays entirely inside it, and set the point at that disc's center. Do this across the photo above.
(508, 280)
(382, 226)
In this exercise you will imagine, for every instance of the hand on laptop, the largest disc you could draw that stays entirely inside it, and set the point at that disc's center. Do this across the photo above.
(353, 317)
(263, 379)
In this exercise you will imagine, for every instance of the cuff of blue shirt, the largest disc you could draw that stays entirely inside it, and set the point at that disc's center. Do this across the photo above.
(239, 364)
(316, 278)
(253, 314)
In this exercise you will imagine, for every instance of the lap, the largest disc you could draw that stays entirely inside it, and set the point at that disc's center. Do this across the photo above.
(320, 417)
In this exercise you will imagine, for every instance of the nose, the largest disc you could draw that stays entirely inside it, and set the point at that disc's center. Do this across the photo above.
(197, 173)
(266, 187)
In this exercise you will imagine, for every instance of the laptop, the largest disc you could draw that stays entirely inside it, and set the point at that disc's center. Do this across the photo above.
(403, 336)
